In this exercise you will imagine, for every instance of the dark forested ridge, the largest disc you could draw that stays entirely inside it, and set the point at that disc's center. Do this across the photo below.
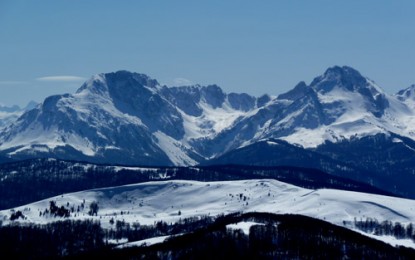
(377, 160)
(273, 237)
(32, 180)
(389, 163)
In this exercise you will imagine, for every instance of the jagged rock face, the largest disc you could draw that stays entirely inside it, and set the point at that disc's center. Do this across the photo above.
(299, 91)
(349, 80)
(344, 77)
(138, 95)
(337, 105)
(99, 123)
(185, 98)
(406, 94)
(128, 118)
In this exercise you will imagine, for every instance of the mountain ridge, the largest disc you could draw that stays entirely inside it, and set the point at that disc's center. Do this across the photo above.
(129, 118)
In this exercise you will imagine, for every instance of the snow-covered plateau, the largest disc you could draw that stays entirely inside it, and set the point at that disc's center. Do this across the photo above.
(170, 201)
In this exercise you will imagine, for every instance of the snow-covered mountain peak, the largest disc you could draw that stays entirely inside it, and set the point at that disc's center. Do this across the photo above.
(337, 105)
(128, 79)
(346, 90)
(406, 94)
(118, 84)
(338, 84)
(337, 72)
(299, 91)
(95, 85)
(347, 79)
(127, 118)
(213, 94)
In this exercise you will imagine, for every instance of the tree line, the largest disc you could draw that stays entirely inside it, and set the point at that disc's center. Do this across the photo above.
(386, 228)
(275, 236)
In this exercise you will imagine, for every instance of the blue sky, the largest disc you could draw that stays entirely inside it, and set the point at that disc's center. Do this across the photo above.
(51, 47)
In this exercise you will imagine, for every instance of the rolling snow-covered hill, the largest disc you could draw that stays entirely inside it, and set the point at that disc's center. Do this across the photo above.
(170, 201)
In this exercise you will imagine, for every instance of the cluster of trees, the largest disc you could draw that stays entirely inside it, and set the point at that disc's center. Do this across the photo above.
(386, 227)
(16, 215)
(58, 211)
(135, 231)
(93, 209)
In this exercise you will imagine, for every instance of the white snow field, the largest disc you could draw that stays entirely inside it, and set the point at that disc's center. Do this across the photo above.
(170, 201)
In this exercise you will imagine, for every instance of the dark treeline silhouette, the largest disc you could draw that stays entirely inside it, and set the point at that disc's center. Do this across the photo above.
(136, 232)
(273, 237)
(389, 163)
(32, 180)
(387, 228)
(56, 239)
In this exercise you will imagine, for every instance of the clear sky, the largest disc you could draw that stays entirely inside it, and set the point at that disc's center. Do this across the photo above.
(51, 46)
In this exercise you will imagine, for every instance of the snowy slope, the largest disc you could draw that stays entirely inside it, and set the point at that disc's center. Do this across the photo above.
(354, 115)
(338, 105)
(171, 200)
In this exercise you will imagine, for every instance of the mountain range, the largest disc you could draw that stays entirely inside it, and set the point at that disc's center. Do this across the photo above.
(9, 114)
(129, 118)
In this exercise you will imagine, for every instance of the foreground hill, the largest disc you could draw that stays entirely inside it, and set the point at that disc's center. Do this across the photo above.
(170, 201)
(242, 236)
(269, 236)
